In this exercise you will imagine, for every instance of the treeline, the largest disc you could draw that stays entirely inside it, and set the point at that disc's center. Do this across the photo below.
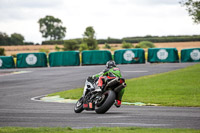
(18, 39)
(13, 39)
(52, 42)
(154, 39)
(151, 39)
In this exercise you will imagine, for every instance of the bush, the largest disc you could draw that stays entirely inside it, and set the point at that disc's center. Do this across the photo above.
(137, 46)
(91, 43)
(52, 42)
(44, 50)
(113, 49)
(2, 52)
(57, 48)
(109, 40)
(71, 45)
(14, 55)
(126, 45)
(83, 46)
(145, 44)
(107, 46)
(28, 43)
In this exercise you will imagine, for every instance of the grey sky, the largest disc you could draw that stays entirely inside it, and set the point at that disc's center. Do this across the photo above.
(110, 18)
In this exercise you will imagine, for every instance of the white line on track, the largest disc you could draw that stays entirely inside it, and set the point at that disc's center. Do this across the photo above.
(15, 72)
(37, 98)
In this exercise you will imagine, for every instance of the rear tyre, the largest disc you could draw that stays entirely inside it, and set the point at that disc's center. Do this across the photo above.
(107, 101)
(79, 106)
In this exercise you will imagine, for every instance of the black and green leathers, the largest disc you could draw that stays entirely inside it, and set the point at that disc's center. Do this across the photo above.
(112, 72)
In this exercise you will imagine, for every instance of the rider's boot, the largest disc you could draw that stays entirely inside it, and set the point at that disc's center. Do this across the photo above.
(118, 103)
(98, 88)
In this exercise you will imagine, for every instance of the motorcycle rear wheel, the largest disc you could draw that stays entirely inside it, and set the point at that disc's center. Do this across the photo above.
(109, 99)
(79, 106)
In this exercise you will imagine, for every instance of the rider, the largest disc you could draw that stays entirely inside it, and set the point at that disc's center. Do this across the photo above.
(111, 70)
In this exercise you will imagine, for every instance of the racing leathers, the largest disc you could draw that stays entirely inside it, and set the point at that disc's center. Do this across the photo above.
(112, 72)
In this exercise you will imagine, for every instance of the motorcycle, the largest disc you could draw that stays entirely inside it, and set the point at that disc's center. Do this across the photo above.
(100, 100)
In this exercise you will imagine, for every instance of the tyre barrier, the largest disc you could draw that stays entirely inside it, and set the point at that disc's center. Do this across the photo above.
(190, 55)
(25, 60)
(129, 56)
(165, 55)
(96, 57)
(6, 62)
(65, 58)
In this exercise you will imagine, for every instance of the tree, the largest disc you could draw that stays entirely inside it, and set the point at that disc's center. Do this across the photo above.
(52, 28)
(2, 52)
(4, 39)
(14, 39)
(193, 8)
(89, 38)
(17, 39)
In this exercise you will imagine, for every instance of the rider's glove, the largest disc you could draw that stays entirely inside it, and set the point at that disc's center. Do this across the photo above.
(89, 78)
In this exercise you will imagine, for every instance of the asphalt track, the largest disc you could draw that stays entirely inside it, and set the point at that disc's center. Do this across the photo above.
(17, 108)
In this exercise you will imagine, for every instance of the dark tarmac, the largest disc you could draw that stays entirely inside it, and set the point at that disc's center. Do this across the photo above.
(17, 108)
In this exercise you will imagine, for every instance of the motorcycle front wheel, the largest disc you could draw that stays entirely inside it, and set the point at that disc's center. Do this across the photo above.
(108, 99)
(79, 106)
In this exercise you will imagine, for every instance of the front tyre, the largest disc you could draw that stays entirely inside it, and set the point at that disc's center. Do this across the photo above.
(79, 106)
(108, 100)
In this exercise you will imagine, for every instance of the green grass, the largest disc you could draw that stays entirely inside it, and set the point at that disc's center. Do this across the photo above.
(176, 88)
(94, 130)
(69, 94)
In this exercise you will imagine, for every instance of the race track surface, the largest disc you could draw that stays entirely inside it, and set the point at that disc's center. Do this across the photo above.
(17, 108)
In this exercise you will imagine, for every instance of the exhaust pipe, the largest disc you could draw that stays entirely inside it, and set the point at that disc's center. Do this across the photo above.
(112, 82)
(118, 89)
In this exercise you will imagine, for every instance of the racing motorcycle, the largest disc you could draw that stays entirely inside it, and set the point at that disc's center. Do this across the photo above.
(100, 100)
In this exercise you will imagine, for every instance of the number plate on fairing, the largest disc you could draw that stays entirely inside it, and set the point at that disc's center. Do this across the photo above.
(89, 106)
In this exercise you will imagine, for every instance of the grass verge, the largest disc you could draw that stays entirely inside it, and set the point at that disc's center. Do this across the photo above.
(69, 94)
(176, 88)
(94, 130)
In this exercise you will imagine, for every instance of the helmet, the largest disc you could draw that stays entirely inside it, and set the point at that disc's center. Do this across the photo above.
(110, 64)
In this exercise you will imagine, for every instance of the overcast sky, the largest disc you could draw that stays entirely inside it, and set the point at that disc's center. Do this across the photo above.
(109, 18)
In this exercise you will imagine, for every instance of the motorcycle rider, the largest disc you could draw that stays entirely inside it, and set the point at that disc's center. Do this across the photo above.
(111, 71)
